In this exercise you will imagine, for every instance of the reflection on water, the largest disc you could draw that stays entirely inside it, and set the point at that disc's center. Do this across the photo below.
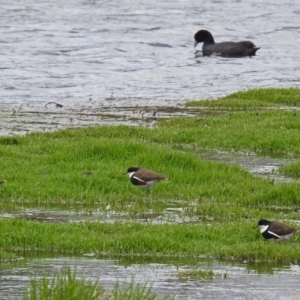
(241, 282)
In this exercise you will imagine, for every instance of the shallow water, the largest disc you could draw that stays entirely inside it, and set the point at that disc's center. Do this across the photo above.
(25, 119)
(265, 167)
(176, 214)
(242, 282)
(78, 53)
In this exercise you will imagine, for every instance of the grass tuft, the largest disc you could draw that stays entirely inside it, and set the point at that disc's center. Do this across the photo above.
(63, 286)
(291, 170)
(134, 292)
(201, 275)
(66, 286)
(9, 141)
(7, 256)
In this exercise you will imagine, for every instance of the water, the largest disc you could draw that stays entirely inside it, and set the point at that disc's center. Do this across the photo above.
(119, 62)
(175, 212)
(265, 167)
(78, 53)
(242, 282)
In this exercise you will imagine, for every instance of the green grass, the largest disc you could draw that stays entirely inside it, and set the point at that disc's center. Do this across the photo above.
(229, 240)
(134, 292)
(200, 275)
(65, 285)
(266, 132)
(7, 256)
(255, 98)
(291, 170)
(49, 170)
(43, 169)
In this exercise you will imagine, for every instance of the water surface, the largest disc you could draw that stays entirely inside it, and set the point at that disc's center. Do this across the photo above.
(78, 53)
(242, 282)
(118, 62)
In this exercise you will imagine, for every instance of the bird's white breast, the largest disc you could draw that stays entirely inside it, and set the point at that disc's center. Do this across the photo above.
(130, 174)
(263, 228)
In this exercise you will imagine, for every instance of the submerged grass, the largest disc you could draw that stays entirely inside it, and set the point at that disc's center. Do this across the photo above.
(201, 275)
(134, 292)
(230, 212)
(7, 256)
(65, 285)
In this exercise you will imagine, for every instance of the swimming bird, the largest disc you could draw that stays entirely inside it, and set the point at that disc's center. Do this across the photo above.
(225, 49)
(273, 230)
(143, 177)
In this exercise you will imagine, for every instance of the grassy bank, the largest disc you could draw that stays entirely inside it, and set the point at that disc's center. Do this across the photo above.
(82, 169)
(47, 169)
(230, 240)
(254, 99)
(53, 168)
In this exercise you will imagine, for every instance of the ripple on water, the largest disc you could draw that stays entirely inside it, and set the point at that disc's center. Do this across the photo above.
(70, 52)
(146, 57)
(240, 283)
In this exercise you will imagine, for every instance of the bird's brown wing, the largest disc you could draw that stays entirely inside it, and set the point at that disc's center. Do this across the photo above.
(281, 229)
(148, 175)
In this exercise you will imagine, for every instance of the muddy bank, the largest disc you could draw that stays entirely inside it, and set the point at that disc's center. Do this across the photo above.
(23, 119)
